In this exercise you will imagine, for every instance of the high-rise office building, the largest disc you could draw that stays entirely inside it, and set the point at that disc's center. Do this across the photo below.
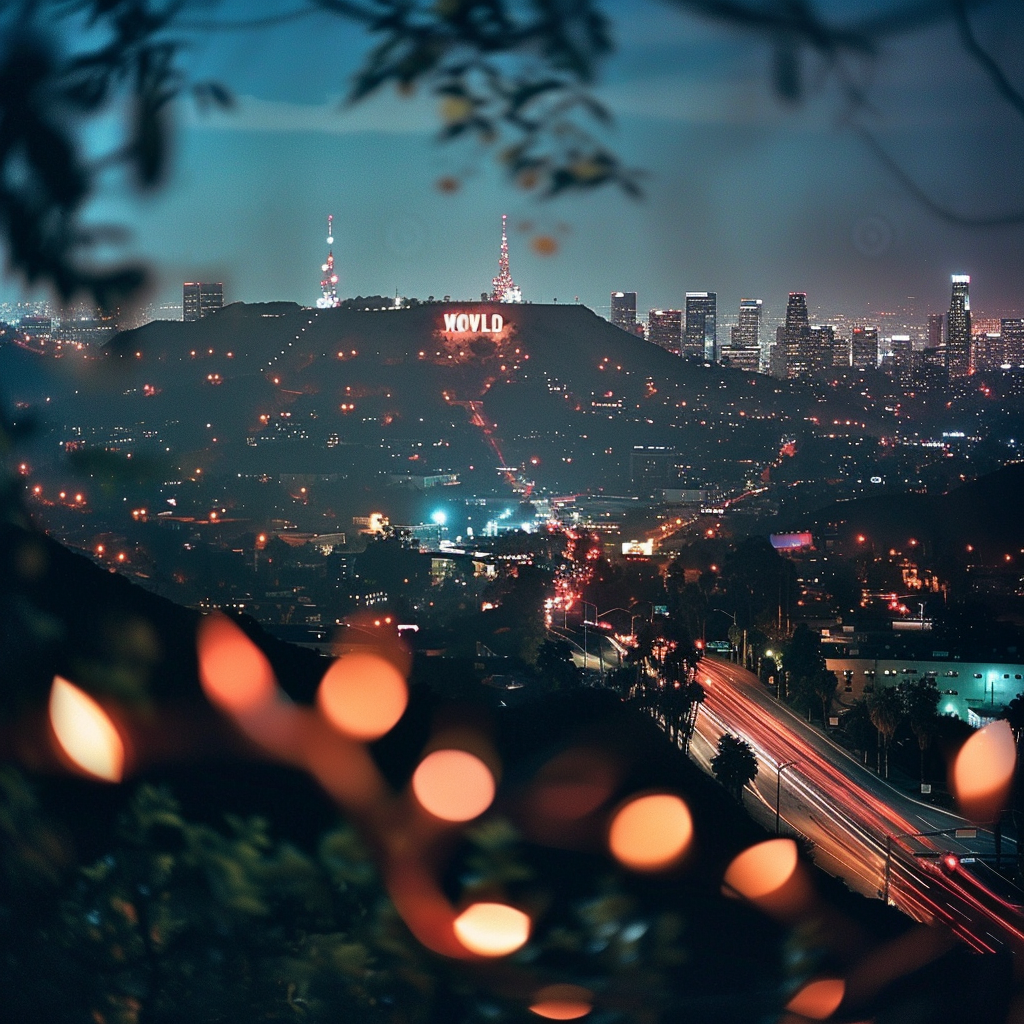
(777, 354)
(864, 348)
(958, 328)
(624, 310)
(816, 353)
(700, 334)
(902, 356)
(665, 329)
(934, 330)
(795, 333)
(1012, 330)
(841, 352)
(987, 350)
(744, 349)
(747, 332)
(200, 298)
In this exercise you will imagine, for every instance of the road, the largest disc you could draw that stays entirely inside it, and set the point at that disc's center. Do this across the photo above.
(862, 829)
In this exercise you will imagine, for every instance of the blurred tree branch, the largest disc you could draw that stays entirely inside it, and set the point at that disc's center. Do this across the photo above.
(515, 77)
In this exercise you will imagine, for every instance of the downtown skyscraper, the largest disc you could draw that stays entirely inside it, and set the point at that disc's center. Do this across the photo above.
(958, 328)
(624, 310)
(665, 329)
(745, 338)
(795, 335)
(700, 331)
(201, 298)
(864, 348)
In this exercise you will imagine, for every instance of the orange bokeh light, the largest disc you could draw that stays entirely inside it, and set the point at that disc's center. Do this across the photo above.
(85, 732)
(818, 999)
(234, 672)
(573, 784)
(492, 929)
(763, 869)
(651, 832)
(362, 695)
(453, 785)
(562, 1002)
(982, 772)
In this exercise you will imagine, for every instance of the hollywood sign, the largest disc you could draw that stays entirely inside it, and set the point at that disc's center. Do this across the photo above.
(473, 323)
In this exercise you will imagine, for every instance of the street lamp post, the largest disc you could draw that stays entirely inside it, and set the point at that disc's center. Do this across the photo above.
(778, 789)
(731, 615)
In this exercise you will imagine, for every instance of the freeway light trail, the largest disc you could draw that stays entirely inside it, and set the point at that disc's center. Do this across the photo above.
(857, 822)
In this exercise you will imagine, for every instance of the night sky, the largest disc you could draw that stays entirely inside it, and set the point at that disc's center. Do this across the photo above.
(746, 196)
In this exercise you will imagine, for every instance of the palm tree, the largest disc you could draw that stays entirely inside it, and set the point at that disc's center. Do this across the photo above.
(886, 708)
(734, 765)
(921, 700)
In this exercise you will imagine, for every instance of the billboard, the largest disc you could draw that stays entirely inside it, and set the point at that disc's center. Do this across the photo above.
(791, 541)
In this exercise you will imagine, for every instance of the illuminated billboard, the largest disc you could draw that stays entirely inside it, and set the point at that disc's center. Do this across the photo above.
(638, 547)
(791, 541)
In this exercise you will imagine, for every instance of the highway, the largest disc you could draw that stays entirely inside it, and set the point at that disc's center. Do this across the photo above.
(862, 829)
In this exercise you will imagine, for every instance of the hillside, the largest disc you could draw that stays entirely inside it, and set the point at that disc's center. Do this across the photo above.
(983, 513)
(557, 393)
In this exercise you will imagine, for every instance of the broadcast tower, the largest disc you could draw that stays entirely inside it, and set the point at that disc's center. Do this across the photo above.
(329, 284)
(503, 288)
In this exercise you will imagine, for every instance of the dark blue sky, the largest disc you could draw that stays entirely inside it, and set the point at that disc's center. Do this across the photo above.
(745, 196)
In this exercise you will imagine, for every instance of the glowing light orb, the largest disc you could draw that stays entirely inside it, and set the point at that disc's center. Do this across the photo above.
(818, 999)
(363, 695)
(234, 672)
(453, 785)
(762, 869)
(562, 1002)
(330, 239)
(85, 732)
(651, 832)
(492, 929)
(439, 518)
(982, 772)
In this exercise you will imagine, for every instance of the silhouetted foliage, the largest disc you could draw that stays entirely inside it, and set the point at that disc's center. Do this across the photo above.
(734, 765)
(515, 78)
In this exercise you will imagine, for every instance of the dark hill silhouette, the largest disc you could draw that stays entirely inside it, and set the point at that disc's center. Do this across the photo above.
(984, 513)
(558, 384)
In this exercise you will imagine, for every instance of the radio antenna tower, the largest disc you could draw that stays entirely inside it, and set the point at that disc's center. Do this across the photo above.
(329, 284)
(503, 288)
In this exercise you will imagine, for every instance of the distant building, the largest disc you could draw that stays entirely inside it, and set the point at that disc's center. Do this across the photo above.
(700, 332)
(817, 351)
(795, 334)
(201, 298)
(958, 328)
(987, 351)
(654, 468)
(624, 310)
(747, 332)
(934, 330)
(864, 348)
(665, 329)
(902, 356)
(36, 327)
(748, 359)
(777, 354)
(1012, 330)
(840, 351)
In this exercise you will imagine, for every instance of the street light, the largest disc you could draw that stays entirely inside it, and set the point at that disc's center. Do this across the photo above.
(778, 788)
(732, 615)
